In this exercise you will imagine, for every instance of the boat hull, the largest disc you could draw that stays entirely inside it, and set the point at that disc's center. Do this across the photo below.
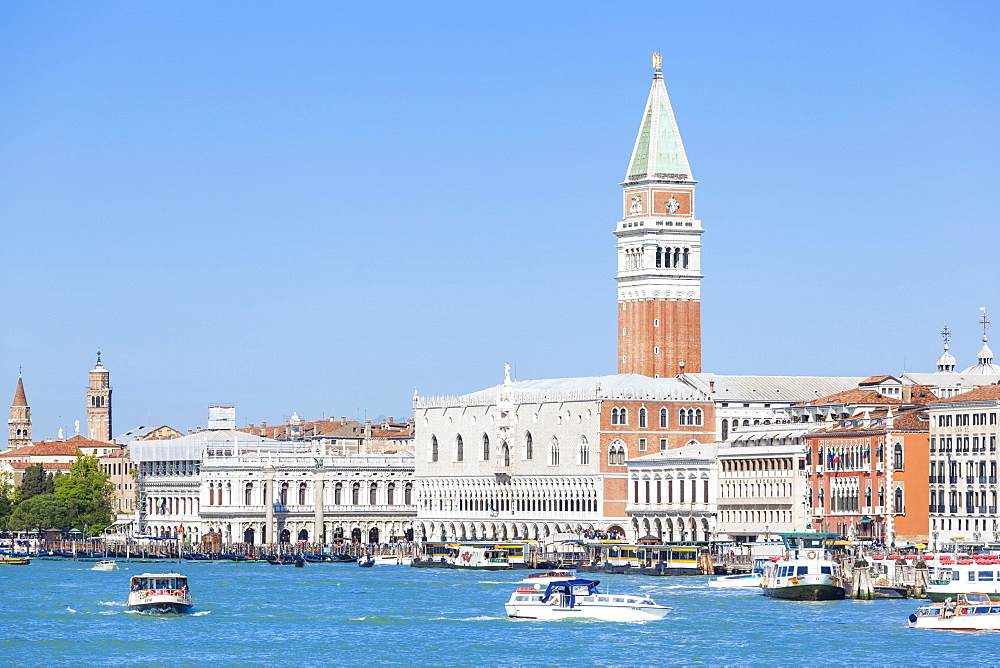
(163, 608)
(603, 613)
(736, 582)
(806, 592)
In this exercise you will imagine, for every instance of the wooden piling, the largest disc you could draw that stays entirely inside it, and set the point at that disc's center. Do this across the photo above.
(861, 581)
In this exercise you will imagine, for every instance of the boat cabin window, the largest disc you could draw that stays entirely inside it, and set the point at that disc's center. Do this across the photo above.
(995, 610)
(972, 576)
(825, 570)
(985, 576)
(619, 600)
(802, 570)
(602, 599)
(983, 610)
(954, 575)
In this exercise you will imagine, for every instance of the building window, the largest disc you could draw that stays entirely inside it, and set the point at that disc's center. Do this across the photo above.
(338, 494)
(614, 416)
(390, 494)
(505, 453)
(459, 448)
(623, 416)
(284, 494)
(897, 457)
(897, 501)
(554, 452)
(302, 494)
(663, 418)
(584, 451)
(697, 417)
(356, 493)
(528, 450)
(642, 417)
(663, 445)
(373, 494)
(486, 448)
(408, 494)
(642, 445)
(434, 448)
(725, 429)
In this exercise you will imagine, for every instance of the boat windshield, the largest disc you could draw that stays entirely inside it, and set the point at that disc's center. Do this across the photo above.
(806, 541)
(973, 598)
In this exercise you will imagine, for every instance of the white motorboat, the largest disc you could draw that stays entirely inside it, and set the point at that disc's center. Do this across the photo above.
(807, 572)
(160, 592)
(580, 599)
(105, 566)
(973, 612)
(741, 581)
(543, 579)
(392, 560)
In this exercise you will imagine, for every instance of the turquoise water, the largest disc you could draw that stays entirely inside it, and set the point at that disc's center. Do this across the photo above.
(61, 612)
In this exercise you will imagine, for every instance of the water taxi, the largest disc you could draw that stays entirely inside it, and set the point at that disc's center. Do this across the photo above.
(807, 571)
(739, 581)
(974, 611)
(580, 599)
(105, 566)
(160, 592)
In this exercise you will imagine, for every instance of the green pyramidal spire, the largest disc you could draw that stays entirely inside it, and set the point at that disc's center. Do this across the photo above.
(659, 151)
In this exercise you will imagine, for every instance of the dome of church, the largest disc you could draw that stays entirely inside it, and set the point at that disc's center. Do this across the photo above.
(946, 361)
(985, 367)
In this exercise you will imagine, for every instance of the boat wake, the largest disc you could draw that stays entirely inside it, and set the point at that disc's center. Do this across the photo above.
(114, 603)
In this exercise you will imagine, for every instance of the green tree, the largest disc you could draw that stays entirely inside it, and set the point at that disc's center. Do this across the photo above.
(42, 511)
(89, 493)
(6, 498)
(49, 486)
(33, 482)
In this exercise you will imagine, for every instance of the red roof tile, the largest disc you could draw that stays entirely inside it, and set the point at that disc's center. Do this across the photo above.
(985, 393)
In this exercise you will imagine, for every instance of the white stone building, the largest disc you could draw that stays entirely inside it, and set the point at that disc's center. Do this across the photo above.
(964, 431)
(762, 482)
(672, 494)
(256, 490)
(535, 458)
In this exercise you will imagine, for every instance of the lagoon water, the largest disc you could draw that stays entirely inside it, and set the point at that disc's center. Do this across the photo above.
(61, 612)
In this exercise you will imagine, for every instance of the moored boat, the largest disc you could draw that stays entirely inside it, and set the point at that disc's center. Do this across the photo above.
(807, 571)
(973, 611)
(14, 560)
(580, 599)
(160, 592)
(547, 577)
(740, 581)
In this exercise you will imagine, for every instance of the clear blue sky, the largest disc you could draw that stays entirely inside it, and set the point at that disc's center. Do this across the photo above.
(318, 207)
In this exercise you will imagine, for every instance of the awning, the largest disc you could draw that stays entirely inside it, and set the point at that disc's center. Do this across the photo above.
(866, 519)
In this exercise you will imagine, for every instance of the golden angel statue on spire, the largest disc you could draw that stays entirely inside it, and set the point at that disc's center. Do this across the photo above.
(657, 61)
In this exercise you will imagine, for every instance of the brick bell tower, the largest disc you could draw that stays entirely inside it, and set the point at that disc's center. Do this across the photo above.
(99, 403)
(659, 250)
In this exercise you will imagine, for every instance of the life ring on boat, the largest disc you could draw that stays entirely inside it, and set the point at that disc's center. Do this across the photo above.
(811, 554)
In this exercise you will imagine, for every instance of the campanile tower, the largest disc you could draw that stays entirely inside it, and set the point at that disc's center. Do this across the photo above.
(99, 403)
(659, 250)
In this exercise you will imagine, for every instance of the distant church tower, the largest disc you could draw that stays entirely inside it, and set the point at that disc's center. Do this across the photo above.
(99, 403)
(19, 424)
(659, 250)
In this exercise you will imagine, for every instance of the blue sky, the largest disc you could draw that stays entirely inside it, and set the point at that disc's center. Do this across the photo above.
(319, 207)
